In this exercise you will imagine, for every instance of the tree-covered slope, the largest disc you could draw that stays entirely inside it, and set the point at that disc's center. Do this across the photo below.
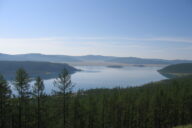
(163, 104)
(177, 70)
(43, 69)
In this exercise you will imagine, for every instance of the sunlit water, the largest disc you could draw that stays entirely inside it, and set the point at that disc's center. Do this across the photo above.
(104, 77)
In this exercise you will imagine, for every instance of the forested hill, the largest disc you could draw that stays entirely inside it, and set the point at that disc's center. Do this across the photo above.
(43, 69)
(163, 104)
(177, 69)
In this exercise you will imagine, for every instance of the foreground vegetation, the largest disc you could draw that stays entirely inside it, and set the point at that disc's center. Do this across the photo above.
(163, 104)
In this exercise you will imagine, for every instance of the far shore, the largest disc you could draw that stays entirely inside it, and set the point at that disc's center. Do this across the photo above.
(103, 63)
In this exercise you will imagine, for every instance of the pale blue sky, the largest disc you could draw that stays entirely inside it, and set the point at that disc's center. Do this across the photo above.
(140, 28)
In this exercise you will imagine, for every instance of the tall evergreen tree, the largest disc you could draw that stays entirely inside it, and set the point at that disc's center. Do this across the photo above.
(38, 92)
(64, 86)
(5, 94)
(22, 86)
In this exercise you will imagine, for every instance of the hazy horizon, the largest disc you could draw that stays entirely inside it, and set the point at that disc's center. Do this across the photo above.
(90, 55)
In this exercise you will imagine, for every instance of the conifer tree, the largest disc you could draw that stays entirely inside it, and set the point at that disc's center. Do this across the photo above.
(5, 94)
(38, 92)
(64, 87)
(22, 86)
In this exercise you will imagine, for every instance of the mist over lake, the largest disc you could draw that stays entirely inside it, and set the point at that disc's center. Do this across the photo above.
(104, 77)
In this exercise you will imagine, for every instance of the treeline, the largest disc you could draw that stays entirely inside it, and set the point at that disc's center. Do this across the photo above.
(178, 68)
(162, 104)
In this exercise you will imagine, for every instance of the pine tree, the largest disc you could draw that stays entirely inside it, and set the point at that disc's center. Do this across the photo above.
(22, 86)
(5, 94)
(38, 92)
(64, 86)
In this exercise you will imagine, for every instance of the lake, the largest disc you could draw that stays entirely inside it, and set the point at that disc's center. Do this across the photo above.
(104, 77)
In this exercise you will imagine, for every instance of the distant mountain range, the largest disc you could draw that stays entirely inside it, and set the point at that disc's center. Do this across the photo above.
(88, 58)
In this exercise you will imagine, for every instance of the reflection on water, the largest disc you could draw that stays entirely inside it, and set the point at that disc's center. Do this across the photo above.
(103, 77)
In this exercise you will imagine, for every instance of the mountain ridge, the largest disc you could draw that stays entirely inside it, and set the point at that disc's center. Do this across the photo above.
(85, 58)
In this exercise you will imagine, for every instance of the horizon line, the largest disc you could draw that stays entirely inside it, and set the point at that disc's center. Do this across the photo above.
(89, 55)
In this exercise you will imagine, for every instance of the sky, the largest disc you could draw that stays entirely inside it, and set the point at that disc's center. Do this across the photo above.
(137, 28)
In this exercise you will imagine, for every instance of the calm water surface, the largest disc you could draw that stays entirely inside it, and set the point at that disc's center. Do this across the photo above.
(104, 77)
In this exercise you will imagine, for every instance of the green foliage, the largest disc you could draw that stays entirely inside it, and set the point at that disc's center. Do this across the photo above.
(38, 88)
(21, 82)
(39, 94)
(63, 82)
(5, 94)
(22, 86)
(163, 104)
(64, 86)
(178, 68)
